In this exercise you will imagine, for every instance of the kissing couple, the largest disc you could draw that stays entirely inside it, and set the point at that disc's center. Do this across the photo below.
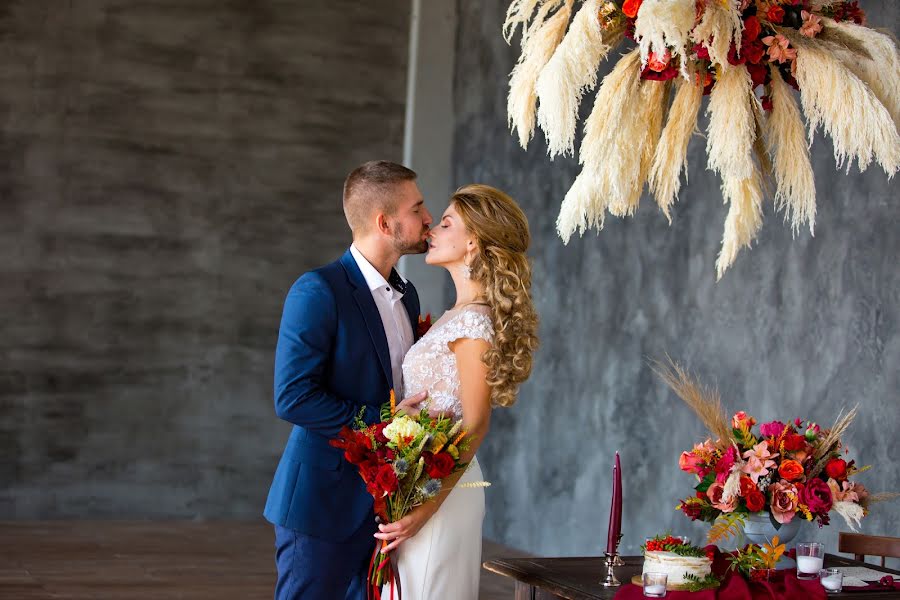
(349, 335)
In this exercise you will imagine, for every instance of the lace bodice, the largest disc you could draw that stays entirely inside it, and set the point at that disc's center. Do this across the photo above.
(431, 365)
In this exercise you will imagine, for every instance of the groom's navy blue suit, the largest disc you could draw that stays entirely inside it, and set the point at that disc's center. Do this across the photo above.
(332, 360)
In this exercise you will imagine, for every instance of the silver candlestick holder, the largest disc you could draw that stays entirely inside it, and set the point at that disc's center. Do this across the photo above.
(613, 560)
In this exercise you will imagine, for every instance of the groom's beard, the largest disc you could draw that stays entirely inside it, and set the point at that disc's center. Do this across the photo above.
(403, 246)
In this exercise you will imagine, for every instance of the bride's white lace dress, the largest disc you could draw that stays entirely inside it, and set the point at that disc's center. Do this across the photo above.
(443, 560)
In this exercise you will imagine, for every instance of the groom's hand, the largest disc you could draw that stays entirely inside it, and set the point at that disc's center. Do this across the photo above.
(399, 531)
(410, 406)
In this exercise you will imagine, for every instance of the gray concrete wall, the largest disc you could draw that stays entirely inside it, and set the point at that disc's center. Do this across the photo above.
(168, 169)
(428, 138)
(798, 327)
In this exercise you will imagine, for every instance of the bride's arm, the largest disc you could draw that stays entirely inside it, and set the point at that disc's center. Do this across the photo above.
(475, 396)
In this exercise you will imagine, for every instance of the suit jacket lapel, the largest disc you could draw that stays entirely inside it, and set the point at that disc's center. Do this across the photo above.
(366, 303)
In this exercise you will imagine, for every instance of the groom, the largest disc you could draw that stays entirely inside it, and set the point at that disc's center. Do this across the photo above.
(344, 332)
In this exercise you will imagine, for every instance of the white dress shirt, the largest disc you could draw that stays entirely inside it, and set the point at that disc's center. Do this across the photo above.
(397, 326)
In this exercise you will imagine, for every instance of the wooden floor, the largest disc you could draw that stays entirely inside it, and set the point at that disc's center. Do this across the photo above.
(143, 560)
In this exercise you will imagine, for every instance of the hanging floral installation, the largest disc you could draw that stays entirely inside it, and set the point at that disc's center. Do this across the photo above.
(746, 55)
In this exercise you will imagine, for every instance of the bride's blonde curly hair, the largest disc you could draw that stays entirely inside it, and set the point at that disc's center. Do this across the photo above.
(501, 266)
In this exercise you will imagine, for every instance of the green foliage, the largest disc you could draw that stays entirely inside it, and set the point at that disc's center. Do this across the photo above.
(745, 438)
(706, 482)
(693, 583)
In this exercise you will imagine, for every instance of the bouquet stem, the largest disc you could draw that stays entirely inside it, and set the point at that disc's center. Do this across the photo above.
(381, 572)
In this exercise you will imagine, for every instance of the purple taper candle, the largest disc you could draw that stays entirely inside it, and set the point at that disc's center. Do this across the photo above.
(615, 509)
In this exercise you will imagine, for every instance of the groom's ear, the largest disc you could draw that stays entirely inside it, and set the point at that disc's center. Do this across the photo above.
(382, 225)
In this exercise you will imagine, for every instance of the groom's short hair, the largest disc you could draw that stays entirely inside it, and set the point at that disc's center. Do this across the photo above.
(368, 190)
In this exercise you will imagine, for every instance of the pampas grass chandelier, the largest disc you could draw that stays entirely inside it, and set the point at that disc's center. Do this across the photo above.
(746, 55)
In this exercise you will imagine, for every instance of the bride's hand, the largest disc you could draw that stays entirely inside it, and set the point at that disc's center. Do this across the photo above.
(410, 406)
(398, 532)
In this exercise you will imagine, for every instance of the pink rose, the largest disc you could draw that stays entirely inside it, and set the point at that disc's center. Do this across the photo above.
(689, 462)
(740, 420)
(785, 499)
(714, 493)
(816, 495)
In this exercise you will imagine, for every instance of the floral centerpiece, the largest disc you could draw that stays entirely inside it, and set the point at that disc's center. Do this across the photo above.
(747, 56)
(786, 470)
(402, 460)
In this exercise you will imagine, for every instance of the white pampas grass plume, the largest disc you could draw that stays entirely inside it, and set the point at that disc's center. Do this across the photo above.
(833, 97)
(732, 487)
(721, 24)
(729, 143)
(880, 70)
(570, 73)
(851, 511)
(583, 207)
(519, 14)
(744, 216)
(664, 24)
(626, 164)
(795, 188)
(520, 105)
(671, 152)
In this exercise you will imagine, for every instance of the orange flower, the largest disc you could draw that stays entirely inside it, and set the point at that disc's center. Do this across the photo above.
(791, 470)
(631, 8)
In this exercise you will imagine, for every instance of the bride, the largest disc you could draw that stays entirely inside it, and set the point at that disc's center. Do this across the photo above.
(471, 360)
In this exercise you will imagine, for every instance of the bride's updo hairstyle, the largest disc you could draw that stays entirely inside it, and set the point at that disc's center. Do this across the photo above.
(501, 266)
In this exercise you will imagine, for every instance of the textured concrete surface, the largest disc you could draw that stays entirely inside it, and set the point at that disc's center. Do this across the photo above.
(798, 327)
(169, 168)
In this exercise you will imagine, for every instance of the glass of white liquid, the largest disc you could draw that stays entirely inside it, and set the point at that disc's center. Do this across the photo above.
(832, 580)
(810, 558)
(655, 585)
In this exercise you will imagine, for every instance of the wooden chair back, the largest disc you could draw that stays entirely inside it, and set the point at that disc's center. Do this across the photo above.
(872, 545)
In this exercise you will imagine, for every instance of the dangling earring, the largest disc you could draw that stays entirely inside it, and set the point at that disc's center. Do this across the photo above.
(466, 271)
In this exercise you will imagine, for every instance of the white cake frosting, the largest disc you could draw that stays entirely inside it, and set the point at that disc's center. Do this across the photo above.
(676, 566)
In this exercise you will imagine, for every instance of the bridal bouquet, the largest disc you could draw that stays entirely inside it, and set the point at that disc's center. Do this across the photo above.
(403, 461)
(792, 470)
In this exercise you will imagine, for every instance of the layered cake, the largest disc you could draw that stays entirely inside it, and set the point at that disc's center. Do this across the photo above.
(676, 559)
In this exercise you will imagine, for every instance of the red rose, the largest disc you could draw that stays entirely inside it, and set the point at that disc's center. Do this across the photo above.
(794, 442)
(733, 58)
(666, 74)
(747, 486)
(368, 472)
(692, 509)
(791, 470)
(767, 103)
(836, 468)
(751, 28)
(631, 8)
(754, 53)
(755, 500)
(758, 73)
(379, 433)
(441, 465)
(816, 495)
(386, 479)
(775, 14)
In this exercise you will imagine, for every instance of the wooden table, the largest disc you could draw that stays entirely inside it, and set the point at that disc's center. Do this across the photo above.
(578, 578)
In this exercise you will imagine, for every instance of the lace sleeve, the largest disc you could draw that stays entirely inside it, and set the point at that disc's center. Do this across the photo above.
(469, 324)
